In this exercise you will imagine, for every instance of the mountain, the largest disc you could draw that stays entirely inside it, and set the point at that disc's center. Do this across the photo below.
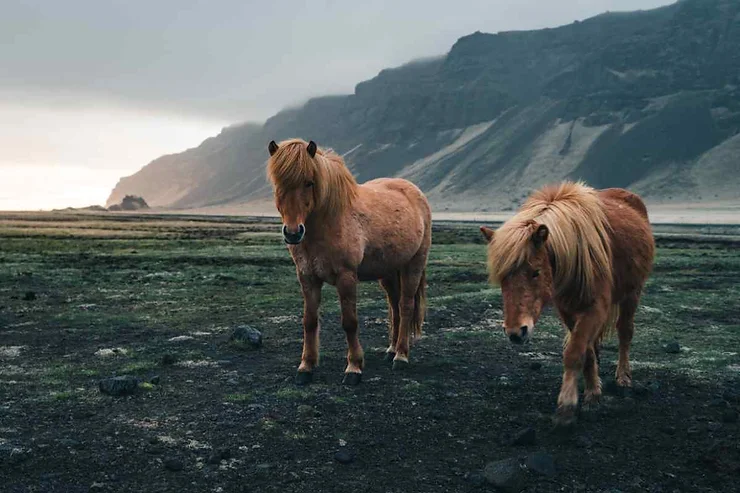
(648, 100)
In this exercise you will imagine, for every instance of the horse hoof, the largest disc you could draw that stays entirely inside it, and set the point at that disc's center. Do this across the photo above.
(591, 402)
(624, 381)
(352, 379)
(565, 416)
(303, 377)
(389, 356)
(400, 365)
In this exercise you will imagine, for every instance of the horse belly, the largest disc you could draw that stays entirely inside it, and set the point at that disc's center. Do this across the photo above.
(381, 263)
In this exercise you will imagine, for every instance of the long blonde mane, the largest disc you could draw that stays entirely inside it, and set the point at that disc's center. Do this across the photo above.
(578, 240)
(335, 188)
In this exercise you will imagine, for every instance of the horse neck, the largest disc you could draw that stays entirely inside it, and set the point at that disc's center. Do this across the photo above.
(341, 192)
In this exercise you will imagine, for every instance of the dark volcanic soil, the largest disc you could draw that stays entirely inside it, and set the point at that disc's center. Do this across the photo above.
(228, 418)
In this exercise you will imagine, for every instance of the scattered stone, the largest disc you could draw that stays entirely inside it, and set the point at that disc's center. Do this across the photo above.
(729, 416)
(693, 430)
(181, 338)
(97, 486)
(173, 465)
(70, 443)
(506, 474)
(118, 386)
(10, 351)
(344, 456)
(527, 436)
(154, 380)
(672, 347)
(535, 366)
(108, 352)
(29, 296)
(169, 359)
(83, 414)
(541, 463)
(153, 449)
(475, 478)
(218, 455)
(402, 454)
(263, 467)
(50, 476)
(583, 442)
(248, 336)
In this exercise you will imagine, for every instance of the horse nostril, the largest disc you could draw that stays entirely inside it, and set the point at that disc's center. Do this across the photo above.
(285, 230)
(515, 339)
(301, 229)
(523, 330)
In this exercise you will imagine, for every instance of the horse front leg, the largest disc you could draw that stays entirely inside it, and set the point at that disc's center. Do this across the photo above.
(311, 288)
(575, 354)
(347, 291)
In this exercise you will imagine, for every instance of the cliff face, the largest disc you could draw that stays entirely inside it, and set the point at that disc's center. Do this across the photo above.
(647, 100)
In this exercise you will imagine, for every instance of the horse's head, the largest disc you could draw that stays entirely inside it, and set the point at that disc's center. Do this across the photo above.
(521, 265)
(293, 171)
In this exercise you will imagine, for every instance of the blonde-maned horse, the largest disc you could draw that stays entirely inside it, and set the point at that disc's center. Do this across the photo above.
(340, 233)
(590, 253)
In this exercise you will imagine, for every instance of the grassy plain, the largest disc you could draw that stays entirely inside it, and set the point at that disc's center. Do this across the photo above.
(86, 296)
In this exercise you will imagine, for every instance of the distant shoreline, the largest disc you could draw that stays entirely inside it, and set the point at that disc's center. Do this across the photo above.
(694, 213)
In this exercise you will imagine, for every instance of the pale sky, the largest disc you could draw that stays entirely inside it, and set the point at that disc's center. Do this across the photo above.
(93, 90)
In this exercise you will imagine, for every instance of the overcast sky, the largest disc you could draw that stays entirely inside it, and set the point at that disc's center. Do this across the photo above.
(104, 86)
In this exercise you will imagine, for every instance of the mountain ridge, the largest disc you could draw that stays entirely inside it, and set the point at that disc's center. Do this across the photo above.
(645, 100)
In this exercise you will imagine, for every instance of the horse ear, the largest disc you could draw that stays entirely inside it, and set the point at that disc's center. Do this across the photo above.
(272, 147)
(488, 233)
(311, 148)
(539, 237)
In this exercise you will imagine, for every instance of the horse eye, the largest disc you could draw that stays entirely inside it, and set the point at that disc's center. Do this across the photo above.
(536, 274)
(309, 184)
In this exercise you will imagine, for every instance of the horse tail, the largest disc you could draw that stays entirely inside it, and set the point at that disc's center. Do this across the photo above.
(420, 305)
(611, 322)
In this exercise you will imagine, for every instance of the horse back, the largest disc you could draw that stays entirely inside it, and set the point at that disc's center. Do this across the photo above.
(632, 243)
(621, 195)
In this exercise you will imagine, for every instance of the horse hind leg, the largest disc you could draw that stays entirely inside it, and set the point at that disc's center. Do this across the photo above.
(411, 307)
(625, 331)
(592, 393)
(392, 287)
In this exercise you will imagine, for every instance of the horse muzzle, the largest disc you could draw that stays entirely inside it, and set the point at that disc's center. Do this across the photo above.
(294, 237)
(520, 336)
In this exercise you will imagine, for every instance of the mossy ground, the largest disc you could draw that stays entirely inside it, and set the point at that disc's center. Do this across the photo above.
(136, 284)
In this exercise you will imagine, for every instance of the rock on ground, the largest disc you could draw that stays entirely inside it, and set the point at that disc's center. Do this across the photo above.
(672, 347)
(506, 475)
(118, 386)
(245, 334)
(541, 463)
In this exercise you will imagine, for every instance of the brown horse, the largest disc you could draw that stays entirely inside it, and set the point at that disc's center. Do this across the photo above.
(590, 253)
(340, 233)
